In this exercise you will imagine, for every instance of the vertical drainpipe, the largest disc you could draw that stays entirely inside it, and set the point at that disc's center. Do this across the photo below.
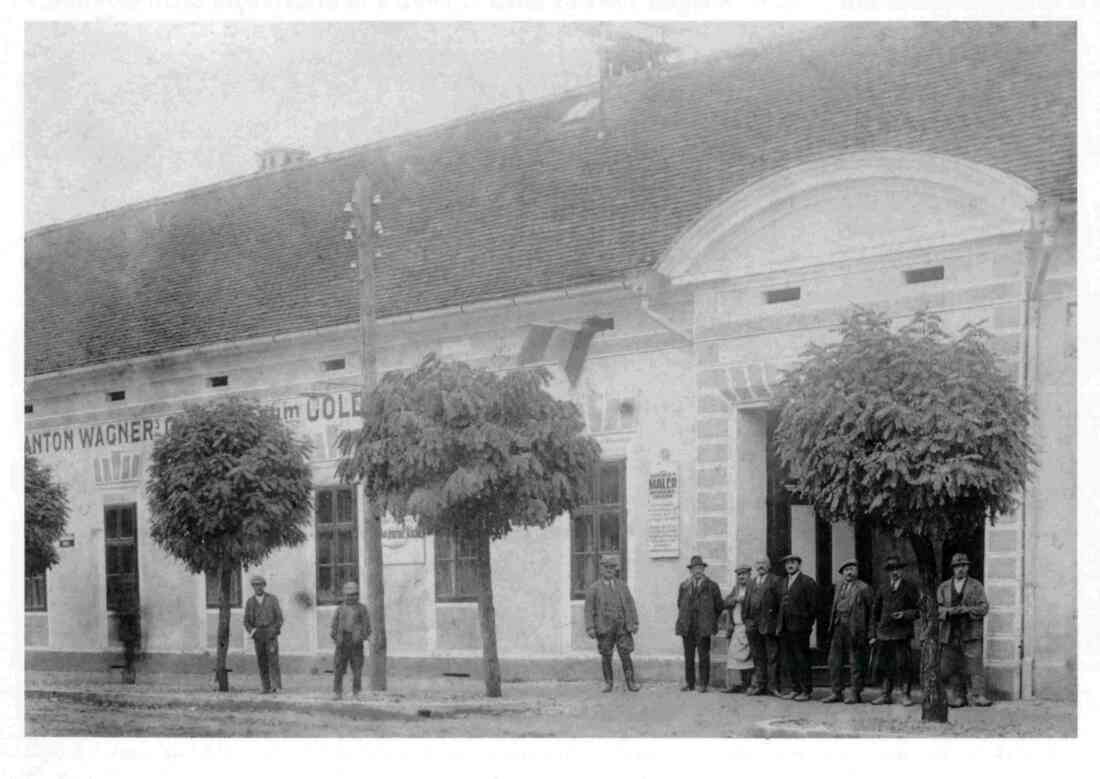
(1044, 220)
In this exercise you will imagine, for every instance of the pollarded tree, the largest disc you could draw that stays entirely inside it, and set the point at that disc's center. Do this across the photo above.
(45, 514)
(228, 484)
(911, 431)
(472, 453)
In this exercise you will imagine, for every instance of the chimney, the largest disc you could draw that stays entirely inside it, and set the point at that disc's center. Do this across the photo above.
(280, 157)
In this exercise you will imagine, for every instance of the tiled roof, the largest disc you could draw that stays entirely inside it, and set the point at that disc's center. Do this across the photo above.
(514, 201)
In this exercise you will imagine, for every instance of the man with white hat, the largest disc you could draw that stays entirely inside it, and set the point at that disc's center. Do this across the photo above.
(962, 610)
(350, 628)
(611, 618)
(263, 619)
(849, 620)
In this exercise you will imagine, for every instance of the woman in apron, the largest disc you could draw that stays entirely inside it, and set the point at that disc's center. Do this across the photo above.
(739, 663)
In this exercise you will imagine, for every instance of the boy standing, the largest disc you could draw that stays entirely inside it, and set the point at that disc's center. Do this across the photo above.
(350, 628)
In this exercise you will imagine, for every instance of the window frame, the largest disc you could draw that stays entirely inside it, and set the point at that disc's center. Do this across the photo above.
(236, 591)
(29, 582)
(590, 513)
(120, 542)
(455, 560)
(329, 532)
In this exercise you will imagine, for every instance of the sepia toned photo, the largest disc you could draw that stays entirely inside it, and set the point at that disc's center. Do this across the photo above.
(571, 379)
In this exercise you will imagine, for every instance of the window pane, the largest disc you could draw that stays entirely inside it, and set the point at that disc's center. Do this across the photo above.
(128, 525)
(577, 574)
(110, 524)
(345, 506)
(582, 534)
(609, 532)
(324, 584)
(467, 579)
(34, 593)
(467, 548)
(609, 483)
(443, 546)
(324, 547)
(345, 546)
(444, 578)
(324, 507)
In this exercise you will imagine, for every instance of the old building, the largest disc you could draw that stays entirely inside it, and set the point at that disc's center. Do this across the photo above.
(722, 213)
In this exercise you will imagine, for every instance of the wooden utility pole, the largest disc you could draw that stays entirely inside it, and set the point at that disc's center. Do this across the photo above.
(366, 228)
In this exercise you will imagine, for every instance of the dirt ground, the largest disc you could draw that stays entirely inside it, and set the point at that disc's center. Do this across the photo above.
(534, 709)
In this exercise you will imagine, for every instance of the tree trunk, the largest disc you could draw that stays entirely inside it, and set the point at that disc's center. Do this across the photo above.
(376, 595)
(487, 616)
(225, 584)
(934, 704)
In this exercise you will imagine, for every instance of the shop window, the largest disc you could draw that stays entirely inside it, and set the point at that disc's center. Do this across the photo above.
(455, 567)
(34, 592)
(212, 595)
(599, 527)
(337, 542)
(120, 538)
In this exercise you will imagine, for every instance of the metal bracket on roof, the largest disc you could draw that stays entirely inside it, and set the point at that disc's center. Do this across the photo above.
(648, 285)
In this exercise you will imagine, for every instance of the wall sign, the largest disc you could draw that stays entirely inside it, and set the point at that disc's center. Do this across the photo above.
(664, 510)
(402, 541)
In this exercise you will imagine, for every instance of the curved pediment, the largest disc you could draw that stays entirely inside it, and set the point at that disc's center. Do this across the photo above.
(853, 205)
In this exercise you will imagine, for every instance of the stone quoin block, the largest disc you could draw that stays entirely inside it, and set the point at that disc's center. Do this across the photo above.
(1005, 623)
(713, 453)
(712, 477)
(712, 427)
(710, 526)
(713, 552)
(713, 404)
(1001, 595)
(712, 502)
(1001, 650)
(1001, 541)
(1000, 568)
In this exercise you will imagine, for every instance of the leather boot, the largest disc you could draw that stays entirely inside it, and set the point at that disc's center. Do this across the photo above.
(628, 674)
(608, 674)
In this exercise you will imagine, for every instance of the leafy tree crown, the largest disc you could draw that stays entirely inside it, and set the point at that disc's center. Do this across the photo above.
(912, 429)
(467, 449)
(228, 483)
(45, 514)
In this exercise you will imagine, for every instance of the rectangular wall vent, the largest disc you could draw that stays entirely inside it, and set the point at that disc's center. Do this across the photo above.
(337, 364)
(218, 381)
(782, 295)
(923, 275)
(28, 408)
(116, 395)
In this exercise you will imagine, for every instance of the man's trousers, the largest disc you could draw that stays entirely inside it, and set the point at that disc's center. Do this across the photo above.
(693, 644)
(961, 658)
(765, 660)
(795, 648)
(846, 647)
(267, 658)
(895, 664)
(348, 652)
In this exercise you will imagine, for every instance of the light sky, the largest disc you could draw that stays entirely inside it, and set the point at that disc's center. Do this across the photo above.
(116, 113)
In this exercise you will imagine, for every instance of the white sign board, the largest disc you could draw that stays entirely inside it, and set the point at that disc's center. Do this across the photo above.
(664, 511)
(402, 541)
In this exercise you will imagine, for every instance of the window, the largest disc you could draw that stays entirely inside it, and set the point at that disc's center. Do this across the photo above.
(234, 590)
(784, 295)
(337, 542)
(335, 364)
(116, 396)
(28, 408)
(218, 381)
(600, 526)
(924, 275)
(34, 592)
(455, 567)
(120, 538)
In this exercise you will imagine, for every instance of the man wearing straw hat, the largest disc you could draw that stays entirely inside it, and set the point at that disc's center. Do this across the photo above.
(263, 619)
(611, 618)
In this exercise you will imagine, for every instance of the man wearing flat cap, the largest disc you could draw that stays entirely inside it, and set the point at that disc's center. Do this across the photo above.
(849, 619)
(962, 610)
(698, 605)
(350, 628)
(263, 619)
(797, 613)
(895, 609)
(611, 618)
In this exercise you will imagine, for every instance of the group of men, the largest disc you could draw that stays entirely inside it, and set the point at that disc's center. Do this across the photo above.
(772, 617)
(263, 621)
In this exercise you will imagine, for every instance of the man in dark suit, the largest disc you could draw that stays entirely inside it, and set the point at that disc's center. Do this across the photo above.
(760, 609)
(895, 609)
(797, 612)
(263, 619)
(698, 603)
(848, 622)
